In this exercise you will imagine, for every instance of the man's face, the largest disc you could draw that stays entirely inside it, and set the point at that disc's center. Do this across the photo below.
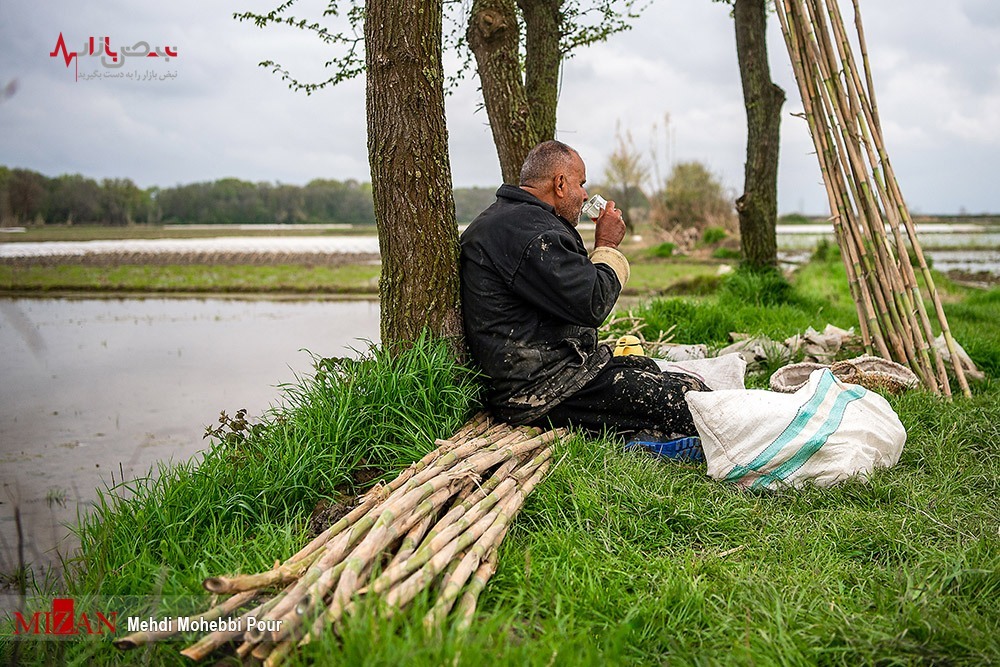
(571, 194)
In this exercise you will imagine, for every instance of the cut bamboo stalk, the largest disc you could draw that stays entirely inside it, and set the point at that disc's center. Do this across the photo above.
(465, 610)
(332, 614)
(283, 574)
(470, 598)
(345, 577)
(827, 143)
(404, 591)
(905, 212)
(457, 535)
(856, 169)
(495, 521)
(818, 129)
(871, 139)
(412, 539)
(850, 118)
(458, 499)
(835, 106)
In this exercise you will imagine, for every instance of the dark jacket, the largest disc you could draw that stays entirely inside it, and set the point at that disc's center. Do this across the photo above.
(532, 302)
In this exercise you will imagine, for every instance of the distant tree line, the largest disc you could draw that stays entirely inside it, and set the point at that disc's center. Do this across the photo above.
(28, 197)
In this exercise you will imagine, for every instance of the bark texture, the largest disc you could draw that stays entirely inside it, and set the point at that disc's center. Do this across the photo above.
(411, 172)
(520, 102)
(758, 205)
(494, 36)
(543, 24)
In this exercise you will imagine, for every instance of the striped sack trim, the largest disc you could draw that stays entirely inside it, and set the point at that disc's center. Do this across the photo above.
(809, 430)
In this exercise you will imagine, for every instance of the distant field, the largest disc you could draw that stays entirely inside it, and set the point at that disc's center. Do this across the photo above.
(348, 279)
(96, 232)
(100, 233)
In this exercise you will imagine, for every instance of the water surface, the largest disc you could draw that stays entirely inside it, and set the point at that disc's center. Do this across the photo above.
(100, 387)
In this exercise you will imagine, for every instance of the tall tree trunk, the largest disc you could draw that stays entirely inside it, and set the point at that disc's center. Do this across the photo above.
(411, 172)
(494, 36)
(543, 21)
(758, 205)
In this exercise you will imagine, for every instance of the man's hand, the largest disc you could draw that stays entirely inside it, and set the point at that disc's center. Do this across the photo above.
(610, 227)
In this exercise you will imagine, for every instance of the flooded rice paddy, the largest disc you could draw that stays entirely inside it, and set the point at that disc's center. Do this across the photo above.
(97, 389)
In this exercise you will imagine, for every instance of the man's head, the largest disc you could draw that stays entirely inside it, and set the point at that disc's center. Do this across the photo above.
(555, 173)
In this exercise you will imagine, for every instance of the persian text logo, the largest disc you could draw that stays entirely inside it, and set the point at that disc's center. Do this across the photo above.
(110, 60)
(62, 620)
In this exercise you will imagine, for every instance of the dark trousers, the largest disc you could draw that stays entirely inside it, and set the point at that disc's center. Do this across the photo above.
(629, 395)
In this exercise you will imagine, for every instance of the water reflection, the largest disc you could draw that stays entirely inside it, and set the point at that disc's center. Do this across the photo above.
(95, 388)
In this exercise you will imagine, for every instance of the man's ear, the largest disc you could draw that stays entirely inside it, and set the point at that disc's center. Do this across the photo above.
(559, 185)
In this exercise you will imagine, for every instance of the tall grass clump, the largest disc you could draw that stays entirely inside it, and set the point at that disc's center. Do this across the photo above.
(760, 287)
(246, 501)
(748, 301)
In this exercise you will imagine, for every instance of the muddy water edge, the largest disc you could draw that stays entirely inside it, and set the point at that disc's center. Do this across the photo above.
(97, 390)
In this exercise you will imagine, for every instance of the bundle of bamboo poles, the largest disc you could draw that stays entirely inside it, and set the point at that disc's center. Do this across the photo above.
(436, 526)
(864, 195)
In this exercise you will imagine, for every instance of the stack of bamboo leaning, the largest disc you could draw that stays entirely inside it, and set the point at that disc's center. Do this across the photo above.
(863, 192)
(438, 524)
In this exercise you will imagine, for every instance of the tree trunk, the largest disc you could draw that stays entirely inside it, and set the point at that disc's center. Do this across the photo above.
(411, 172)
(543, 27)
(493, 36)
(758, 205)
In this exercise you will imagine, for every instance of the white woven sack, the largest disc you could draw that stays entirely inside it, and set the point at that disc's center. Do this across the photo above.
(723, 372)
(824, 433)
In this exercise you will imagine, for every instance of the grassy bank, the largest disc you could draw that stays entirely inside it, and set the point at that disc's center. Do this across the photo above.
(288, 279)
(617, 558)
(359, 279)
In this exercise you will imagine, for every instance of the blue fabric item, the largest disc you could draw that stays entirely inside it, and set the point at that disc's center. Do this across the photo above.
(686, 449)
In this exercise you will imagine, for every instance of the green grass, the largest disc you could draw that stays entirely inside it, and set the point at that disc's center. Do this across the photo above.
(647, 278)
(617, 558)
(713, 235)
(662, 250)
(672, 277)
(294, 279)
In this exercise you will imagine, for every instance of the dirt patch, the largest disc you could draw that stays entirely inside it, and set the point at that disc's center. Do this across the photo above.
(974, 278)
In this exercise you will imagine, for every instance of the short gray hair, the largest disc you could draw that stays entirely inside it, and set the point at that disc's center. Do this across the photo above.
(543, 160)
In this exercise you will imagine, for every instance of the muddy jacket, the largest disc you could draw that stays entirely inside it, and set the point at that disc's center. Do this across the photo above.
(532, 302)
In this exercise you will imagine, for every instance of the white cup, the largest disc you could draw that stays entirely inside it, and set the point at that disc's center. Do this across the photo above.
(592, 209)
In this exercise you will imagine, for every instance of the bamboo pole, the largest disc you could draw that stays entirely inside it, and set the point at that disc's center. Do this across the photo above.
(905, 212)
(890, 281)
(870, 330)
(495, 521)
(872, 140)
(466, 607)
(213, 640)
(457, 535)
(839, 205)
(862, 189)
(444, 515)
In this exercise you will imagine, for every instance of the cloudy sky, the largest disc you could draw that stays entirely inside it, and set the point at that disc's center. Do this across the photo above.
(212, 112)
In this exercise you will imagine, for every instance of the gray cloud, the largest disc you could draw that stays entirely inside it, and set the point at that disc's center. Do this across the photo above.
(934, 63)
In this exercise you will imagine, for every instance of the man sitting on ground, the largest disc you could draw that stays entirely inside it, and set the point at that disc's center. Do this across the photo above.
(533, 299)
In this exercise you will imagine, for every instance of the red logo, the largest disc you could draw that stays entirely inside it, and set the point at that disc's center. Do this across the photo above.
(62, 620)
(111, 60)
